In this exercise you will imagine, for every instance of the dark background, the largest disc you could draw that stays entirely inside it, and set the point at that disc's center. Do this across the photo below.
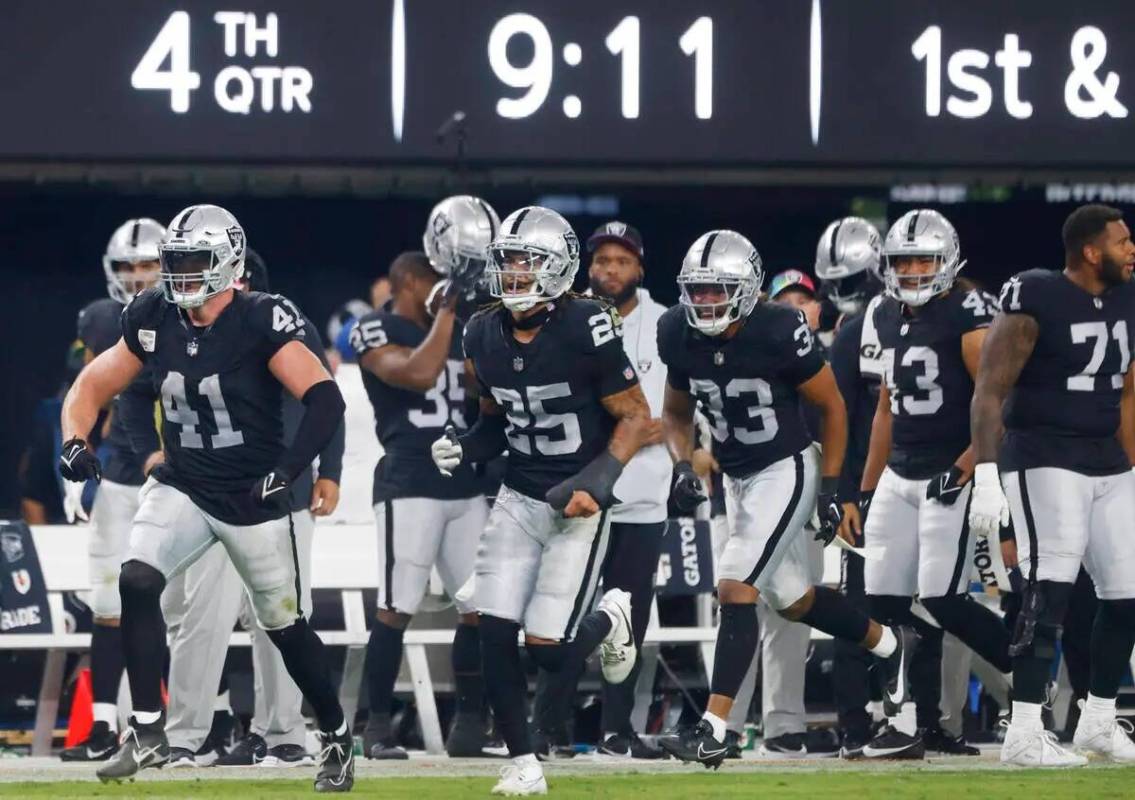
(323, 251)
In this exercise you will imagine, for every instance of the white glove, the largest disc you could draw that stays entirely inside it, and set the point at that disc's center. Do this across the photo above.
(446, 453)
(73, 501)
(988, 508)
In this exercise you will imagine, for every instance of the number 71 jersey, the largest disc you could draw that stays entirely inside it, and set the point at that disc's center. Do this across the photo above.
(746, 386)
(222, 422)
(1064, 410)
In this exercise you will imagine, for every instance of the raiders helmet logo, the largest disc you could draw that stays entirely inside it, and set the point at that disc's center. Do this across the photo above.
(441, 224)
(236, 239)
(572, 242)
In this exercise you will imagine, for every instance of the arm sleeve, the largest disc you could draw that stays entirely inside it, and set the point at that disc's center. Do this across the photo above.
(845, 365)
(331, 456)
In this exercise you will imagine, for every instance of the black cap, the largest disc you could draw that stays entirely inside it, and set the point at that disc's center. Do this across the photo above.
(619, 233)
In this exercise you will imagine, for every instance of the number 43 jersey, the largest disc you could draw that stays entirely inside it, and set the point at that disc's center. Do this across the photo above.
(927, 379)
(1064, 410)
(408, 422)
(222, 422)
(551, 388)
(746, 385)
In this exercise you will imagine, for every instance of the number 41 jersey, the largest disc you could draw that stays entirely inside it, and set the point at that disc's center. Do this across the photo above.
(1064, 410)
(551, 388)
(408, 422)
(222, 422)
(746, 385)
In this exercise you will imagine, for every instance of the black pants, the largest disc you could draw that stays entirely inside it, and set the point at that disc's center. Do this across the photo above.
(852, 677)
(631, 563)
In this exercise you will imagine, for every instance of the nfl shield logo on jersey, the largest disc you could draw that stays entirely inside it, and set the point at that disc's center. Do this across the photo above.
(517, 364)
(22, 580)
(628, 373)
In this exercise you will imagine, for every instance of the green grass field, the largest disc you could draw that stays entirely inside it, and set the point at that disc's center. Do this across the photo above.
(931, 785)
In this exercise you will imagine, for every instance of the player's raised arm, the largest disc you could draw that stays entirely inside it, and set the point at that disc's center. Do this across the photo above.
(99, 382)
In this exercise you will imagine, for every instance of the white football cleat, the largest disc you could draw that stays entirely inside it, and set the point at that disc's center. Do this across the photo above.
(617, 653)
(1104, 737)
(1036, 747)
(517, 781)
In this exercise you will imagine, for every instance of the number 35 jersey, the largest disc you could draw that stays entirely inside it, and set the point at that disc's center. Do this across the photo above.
(551, 388)
(1064, 410)
(222, 422)
(407, 422)
(747, 385)
(927, 379)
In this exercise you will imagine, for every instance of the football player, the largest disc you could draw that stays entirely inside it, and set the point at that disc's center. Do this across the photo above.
(919, 465)
(131, 266)
(221, 358)
(414, 374)
(749, 364)
(1056, 368)
(847, 264)
(556, 391)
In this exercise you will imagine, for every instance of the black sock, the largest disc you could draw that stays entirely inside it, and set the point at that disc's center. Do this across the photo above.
(306, 660)
(384, 659)
(618, 702)
(143, 633)
(1113, 635)
(553, 707)
(737, 639)
(107, 662)
(976, 626)
(926, 674)
(505, 684)
(466, 656)
(834, 615)
(558, 655)
(1035, 638)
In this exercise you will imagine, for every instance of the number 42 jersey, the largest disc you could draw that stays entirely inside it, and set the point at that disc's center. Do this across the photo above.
(746, 385)
(222, 421)
(1064, 410)
(551, 388)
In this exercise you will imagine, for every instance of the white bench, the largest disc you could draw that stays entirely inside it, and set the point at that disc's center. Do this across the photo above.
(344, 557)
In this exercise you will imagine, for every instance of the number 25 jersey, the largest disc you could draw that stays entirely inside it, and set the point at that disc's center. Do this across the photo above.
(222, 420)
(407, 422)
(1064, 410)
(551, 388)
(746, 385)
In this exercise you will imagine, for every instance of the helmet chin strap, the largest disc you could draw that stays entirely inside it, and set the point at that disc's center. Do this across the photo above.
(532, 321)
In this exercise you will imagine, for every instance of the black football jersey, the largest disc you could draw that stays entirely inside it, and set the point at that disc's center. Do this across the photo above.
(99, 328)
(929, 384)
(746, 385)
(222, 423)
(1064, 410)
(550, 388)
(407, 422)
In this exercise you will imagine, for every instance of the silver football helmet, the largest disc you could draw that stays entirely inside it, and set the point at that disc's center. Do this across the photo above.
(720, 281)
(921, 233)
(133, 242)
(457, 237)
(848, 257)
(533, 258)
(202, 254)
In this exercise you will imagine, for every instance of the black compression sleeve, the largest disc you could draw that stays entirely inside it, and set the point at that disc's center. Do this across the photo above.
(323, 416)
(485, 440)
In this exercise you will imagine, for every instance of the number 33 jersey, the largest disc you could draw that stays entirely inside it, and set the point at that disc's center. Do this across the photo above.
(222, 423)
(927, 379)
(1064, 410)
(551, 388)
(746, 386)
(407, 422)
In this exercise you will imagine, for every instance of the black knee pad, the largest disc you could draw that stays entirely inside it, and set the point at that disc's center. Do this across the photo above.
(140, 582)
(1040, 622)
(497, 632)
(889, 609)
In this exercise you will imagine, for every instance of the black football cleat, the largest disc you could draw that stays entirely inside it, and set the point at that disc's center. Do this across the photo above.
(623, 745)
(142, 746)
(249, 751)
(554, 745)
(937, 740)
(101, 743)
(379, 741)
(894, 745)
(336, 763)
(467, 737)
(696, 744)
(896, 668)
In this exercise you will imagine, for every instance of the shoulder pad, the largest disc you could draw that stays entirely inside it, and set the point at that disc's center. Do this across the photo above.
(274, 315)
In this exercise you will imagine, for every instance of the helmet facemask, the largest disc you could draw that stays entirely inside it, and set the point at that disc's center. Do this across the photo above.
(848, 294)
(732, 299)
(191, 275)
(124, 279)
(523, 276)
(916, 289)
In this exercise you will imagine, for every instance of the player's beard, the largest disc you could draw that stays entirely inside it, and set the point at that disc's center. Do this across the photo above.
(1113, 272)
(627, 292)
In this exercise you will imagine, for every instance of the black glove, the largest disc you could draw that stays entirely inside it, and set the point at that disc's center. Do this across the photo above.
(830, 511)
(271, 492)
(77, 463)
(687, 493)
(945, 488)
(865, 498)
